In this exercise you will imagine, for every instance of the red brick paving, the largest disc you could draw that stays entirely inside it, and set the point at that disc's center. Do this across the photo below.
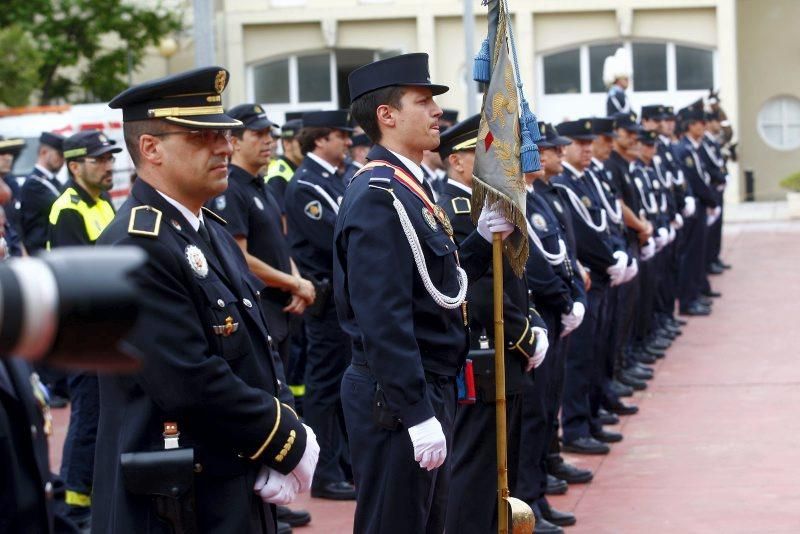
(714, 447)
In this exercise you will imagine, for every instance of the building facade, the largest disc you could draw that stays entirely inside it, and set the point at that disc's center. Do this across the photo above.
(296, 55)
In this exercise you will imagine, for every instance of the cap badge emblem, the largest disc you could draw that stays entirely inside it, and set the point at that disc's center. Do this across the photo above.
(588, 125)
(219, 81)
(197, 261)
(257, 109)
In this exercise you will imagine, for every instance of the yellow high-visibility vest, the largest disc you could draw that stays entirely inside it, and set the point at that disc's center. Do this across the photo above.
(95, 218)
(279, 168)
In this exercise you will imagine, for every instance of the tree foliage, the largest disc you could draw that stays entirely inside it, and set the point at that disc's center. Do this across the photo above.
(87, 46)
(19, 67)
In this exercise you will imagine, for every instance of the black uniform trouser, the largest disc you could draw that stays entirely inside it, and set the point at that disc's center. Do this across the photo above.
(645, 305)
(327, 358)
(693, 264)
(601, 351)
(715, 236)
(472, 500)
(667, 279)
(393, 494)
(541, 400)
(77, 467)
(582, 370)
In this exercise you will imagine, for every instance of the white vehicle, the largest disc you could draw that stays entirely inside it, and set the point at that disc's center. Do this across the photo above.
(30, 122)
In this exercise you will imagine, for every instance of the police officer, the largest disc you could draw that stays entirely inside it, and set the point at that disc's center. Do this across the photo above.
(32, 498)
(472, 502)
(77, 217)
(582, 432)
(10, 194)
(282, 168)
(358, 155)
(201, 332)
(714, 161)
(400, 295)
(40, 190)
(312, 203)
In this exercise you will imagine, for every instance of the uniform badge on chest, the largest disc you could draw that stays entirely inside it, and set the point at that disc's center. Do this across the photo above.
(430, 219)
(539, 222)
(197, 261)
(586, 201)
(313, 210)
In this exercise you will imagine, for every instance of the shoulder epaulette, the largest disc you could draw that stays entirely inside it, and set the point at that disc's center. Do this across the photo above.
(381, 175)
(461, 205)
(214, 216)
(144, 221)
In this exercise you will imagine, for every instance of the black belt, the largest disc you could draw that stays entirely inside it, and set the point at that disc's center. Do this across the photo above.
(430, 378)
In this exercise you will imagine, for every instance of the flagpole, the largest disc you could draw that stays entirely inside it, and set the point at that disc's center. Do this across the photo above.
(500, 385)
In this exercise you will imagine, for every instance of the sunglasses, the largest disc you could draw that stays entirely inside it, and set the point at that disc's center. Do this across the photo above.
(206, 135)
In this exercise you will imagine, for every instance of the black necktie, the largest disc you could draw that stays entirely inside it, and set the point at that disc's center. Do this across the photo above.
(203, 231)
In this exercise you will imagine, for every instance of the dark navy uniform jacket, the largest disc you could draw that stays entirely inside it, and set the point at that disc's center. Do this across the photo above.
(26, 485)
(669, 165)
(311, 216)
(556, 287)
(597, 170)
(617, 101)
(219, 385)
(711, 155)
(695, 173)
(252, 212)
(397, 329)
(37, 195)
(595, 249)
(517, 315)
(649, 187)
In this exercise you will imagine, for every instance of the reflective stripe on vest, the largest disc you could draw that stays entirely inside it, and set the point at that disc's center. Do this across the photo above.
(95, 218)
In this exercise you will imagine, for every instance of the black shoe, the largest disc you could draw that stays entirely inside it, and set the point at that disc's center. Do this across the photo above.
(607, 418)
(712, 294)
(586, 445)
(570, 474)
(57, 401)
(631, 381)
(620, 390)
(713, 268)
(639, 372)
(620, 408)
(659, 343)
(555, 486)
(673, 329)
(723, 264)
(705, 301)
(680, 322)
(696, 310)
(642, 368)
(543, 526)
(666, 334)
(655, 351)
(284, 528)
(644, 357)
(294, 518)
(335, 491)
(605, 436)
(556, 517)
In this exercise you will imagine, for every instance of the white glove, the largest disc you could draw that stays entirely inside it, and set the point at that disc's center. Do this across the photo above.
(712, 214)
(430, 445)
(677, 222)
(617, 271)
(649, 250)
(542, 344)
(275, 488)
(491, 221)
(689, 206)
(672, 234)
(661, 238)
(631, 271)
(304, 471)
(572, 320)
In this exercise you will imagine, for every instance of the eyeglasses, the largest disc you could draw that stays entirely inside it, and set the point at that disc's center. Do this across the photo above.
(206, 135)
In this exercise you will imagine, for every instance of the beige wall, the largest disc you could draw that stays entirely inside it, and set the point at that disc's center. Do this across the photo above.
(552, 31)
(769, 65)
(696, 26)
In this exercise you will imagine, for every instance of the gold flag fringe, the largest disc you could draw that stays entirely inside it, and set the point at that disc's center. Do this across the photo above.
(515, 247)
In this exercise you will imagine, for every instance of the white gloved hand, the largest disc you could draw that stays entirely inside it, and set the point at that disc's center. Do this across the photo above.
(430, 445)
(677, 222)
(712, 214)
(274, 487)
(631, 271)
(661, 238)
(491, 221)
(572, 320)
(672, 234)
(617, 271)
(689, 206)
(649, 249)
(540, 350)
(304, 472)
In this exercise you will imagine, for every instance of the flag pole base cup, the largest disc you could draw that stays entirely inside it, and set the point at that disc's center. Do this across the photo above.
(520, 516)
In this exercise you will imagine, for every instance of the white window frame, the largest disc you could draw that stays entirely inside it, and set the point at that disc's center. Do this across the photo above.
(783, 123)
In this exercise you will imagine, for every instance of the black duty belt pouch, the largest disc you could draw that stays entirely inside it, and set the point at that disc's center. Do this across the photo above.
(381, 415)
(168, 477)
(483, 369)
(323, 291)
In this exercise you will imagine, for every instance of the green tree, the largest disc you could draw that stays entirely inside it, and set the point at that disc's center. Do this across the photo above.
(88, 46)
(19, 68)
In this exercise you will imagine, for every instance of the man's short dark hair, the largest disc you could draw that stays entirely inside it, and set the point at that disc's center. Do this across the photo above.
(133, 130)
(364, 107)
(308, 137)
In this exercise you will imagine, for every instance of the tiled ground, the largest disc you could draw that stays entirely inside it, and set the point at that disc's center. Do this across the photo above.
(715, 447)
